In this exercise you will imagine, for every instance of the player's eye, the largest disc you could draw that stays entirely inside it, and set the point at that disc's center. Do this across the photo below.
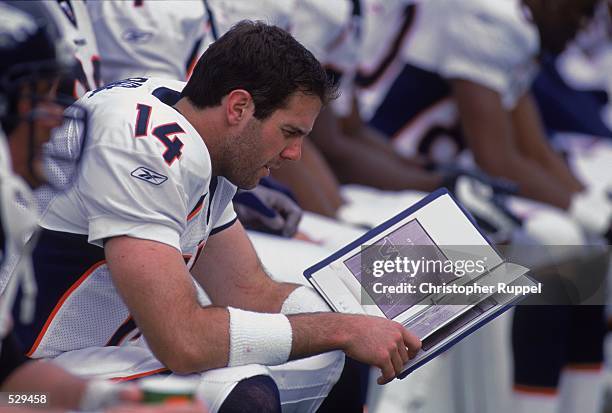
(290, 133)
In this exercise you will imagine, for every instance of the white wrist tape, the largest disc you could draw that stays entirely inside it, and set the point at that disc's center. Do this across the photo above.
(258, 338)
(304, 300)
(100, 394)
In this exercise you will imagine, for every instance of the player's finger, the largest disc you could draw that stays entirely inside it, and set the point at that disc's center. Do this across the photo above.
(292, 221)
(276, 223)
(412, 342)
(396, 359)
(388, 373)
(403, 352)
(130, 393)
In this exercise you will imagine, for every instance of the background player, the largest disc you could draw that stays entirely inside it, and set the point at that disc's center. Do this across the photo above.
(31, 67)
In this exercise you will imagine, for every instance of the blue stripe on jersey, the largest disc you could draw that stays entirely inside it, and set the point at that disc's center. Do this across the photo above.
(199, 203)
(167, 95)
(211, 190)
(364, 81)
(412, 92)
(124, 329)
(197, 206)
(60, 259)
(222, 227)
(2, 242)
(356, 7)
(211, 21)
(194, 55)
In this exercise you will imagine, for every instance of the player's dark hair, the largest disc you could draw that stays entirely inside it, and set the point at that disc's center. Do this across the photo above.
(264, 60)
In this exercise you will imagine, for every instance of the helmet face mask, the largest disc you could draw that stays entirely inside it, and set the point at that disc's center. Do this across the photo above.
(32, 124)
(32, 64)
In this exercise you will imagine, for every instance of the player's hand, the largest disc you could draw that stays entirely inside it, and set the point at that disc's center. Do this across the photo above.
(382, 343)
(130, 393)
(269, 210)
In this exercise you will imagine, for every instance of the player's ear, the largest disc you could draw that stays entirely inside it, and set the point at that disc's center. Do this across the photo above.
(239, 106)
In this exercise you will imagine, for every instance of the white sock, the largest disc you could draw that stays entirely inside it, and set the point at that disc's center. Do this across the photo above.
(581, 390)
(526, 401)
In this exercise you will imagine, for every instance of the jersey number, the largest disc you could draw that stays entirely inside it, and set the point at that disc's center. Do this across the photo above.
(161, 132)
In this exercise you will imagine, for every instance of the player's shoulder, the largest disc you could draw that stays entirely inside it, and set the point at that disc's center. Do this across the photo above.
(495, 34)
(123, 96)
(138, 107)
(499, 26)
(145, 10)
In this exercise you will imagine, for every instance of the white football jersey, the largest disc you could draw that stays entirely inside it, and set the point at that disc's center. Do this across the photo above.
(488, 42)
(148, 38)
(325, 27)
(330, 29)
(226, 13)
(386, 25)
(145, 173)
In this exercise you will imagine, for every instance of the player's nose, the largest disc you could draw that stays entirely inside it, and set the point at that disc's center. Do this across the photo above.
(293, 151)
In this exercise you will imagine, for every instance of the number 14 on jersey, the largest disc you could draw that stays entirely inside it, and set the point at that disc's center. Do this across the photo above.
(161, 132)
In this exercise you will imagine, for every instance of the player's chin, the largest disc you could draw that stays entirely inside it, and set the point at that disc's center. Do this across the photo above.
(250, 183)
(252, 180)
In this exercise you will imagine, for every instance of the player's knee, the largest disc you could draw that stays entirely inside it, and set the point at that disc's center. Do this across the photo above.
(258, 394)
(554, 228)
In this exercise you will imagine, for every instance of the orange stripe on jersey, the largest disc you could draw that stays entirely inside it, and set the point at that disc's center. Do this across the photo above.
(593, 367)
(59, 304)
(197, 208)
(139, 375)
(195, 212)
(536, 390)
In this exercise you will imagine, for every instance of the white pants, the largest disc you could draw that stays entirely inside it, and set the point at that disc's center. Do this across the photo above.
(303, 384)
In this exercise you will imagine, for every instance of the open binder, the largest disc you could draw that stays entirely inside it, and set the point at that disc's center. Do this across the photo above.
(437, 229)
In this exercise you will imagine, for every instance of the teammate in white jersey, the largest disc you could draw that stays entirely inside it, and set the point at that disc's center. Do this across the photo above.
(148, 38)
(31, 67)
(481, 56)
(486, 58)
(71, 24)
(158, 174)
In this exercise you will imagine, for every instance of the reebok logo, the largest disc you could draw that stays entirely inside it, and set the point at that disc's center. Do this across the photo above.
(149, 176)
(136, 36)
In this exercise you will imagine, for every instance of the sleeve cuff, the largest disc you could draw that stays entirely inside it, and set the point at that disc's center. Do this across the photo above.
(106, 227)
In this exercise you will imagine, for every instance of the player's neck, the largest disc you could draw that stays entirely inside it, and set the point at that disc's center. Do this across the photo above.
(206, 123)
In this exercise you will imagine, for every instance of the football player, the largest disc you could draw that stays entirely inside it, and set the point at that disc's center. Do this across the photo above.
(158, 174)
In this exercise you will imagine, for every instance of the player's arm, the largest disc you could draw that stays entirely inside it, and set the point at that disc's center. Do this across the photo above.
(42, 377)
(490, 133)
(356, 161)
(153, 281)
(312, 182)
(353, 125)
(533, 144)
(231, 274)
